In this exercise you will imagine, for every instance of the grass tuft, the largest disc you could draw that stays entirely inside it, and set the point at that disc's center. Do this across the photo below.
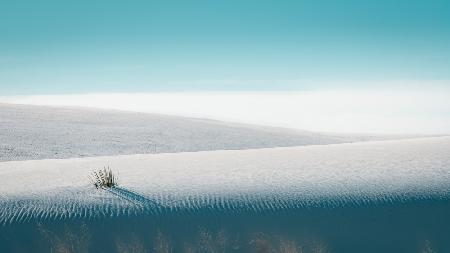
(103, 178)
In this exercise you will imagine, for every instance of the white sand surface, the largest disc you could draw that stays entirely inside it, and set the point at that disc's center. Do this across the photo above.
(355, 172)
(39, 132)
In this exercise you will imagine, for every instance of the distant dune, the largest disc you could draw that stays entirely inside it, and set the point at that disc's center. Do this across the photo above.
(39, 132)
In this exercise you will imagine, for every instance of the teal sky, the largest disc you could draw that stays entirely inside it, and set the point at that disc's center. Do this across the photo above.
(49, 47)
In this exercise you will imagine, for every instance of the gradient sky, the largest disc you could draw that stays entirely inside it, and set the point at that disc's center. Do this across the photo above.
(49, 47)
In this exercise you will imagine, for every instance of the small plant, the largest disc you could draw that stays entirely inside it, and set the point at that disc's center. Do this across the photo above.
(103, 178)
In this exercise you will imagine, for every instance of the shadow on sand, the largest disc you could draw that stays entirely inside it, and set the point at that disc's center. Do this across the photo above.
(133, 197)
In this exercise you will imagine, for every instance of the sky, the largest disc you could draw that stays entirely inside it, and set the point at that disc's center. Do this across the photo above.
(96, 46)
(338, 66)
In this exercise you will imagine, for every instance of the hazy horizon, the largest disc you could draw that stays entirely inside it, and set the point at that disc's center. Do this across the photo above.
(381, 111)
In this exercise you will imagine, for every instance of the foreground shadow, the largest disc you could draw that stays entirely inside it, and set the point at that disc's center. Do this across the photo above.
(133, 197)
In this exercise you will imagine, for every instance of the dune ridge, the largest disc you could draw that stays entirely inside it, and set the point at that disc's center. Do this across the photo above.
(45, 132)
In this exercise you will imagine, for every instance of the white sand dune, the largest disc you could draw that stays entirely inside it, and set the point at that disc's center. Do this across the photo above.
(254, 179)
(39, 132)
